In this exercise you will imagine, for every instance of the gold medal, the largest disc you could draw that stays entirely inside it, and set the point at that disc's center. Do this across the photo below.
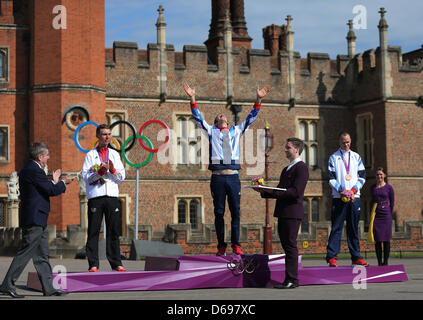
(348, 177)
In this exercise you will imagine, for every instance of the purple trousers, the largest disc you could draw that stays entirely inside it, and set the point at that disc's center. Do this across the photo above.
(288, 231)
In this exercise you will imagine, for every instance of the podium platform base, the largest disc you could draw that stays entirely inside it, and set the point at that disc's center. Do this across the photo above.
(203, 271)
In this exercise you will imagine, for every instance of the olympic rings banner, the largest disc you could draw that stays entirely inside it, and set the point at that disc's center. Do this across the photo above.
(167, 152)
(129, 143)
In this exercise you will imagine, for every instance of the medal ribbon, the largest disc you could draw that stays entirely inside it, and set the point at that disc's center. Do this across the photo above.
(104, 155)
(347, 166)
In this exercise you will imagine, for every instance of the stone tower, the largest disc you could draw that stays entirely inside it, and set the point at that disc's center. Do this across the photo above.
(66, 86)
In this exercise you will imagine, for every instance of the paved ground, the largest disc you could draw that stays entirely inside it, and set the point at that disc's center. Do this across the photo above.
(172, 301)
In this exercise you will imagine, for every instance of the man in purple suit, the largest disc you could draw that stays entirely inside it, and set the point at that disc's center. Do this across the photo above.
(289, 207)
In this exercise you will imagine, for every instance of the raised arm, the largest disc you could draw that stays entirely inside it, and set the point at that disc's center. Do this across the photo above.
(252, 116)
(198, 118)
(190, 92)
(261, 93)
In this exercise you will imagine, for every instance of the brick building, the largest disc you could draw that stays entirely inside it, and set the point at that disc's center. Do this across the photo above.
(55, 74)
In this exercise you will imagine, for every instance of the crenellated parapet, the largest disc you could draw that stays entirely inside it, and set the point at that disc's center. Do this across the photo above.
(133, 72)
(229, 75)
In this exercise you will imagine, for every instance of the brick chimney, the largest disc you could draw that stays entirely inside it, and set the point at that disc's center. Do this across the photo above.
(274, 38)
(240, 37)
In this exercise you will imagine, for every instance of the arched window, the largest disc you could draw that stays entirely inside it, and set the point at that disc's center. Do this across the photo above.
(189, 211)
(312, 159)
(118, 131)
(4, 143)
(308, 132)
(182, 209)
(189, 141)
(304, 154)
(311, 212)
(2, 64)
(312, 131)
(3, 212)
(302, 130)
(182, 140)
(193, 214)
(365, 138)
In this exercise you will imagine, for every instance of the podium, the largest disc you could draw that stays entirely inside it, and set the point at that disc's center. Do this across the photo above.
(204, 271)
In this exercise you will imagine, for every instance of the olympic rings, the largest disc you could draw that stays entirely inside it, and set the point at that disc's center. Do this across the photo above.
(124, 147)
(242, 265)
(131, 126)
(76, 135)
(139, 165)
(167, 135)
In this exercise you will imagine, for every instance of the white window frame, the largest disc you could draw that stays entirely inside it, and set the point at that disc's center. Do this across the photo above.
(191, 140)
(308, 144)
(5, 53)
(362, 142)
(6, 159)
(188, 199)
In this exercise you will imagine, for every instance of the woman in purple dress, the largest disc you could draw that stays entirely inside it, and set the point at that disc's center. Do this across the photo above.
(383, 194)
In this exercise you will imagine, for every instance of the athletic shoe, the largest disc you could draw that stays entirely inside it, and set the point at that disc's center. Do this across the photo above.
(237, 249)
(360, 262)
(119, 269)
(221, 251)
(93, 269)
(332, 262)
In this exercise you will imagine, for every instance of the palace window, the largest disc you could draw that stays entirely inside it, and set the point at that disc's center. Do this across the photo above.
(118, 131)
(365, 138)
(4, 144)
(189, 211)
(311, 212)
(307, 131)
(3, 212)
(188, 141)
(3, 65)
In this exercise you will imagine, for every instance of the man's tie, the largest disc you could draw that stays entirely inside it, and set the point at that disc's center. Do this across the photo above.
(227, 150)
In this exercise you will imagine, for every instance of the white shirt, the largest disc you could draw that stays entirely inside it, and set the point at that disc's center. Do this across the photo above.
(110, 188)
(296, 160)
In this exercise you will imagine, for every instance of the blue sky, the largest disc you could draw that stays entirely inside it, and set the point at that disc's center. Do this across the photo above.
(319, 25)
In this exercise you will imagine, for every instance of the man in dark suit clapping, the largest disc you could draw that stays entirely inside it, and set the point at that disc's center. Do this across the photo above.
(289, 208)
(35, 192)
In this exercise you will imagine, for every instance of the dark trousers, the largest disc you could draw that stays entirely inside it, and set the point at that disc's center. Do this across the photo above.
(288, 231)
(223, 186)
(34, 246)
(341, 211)
(110, 207)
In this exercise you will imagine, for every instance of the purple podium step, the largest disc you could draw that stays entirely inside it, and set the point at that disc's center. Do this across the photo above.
(203, 271)
(351, 275)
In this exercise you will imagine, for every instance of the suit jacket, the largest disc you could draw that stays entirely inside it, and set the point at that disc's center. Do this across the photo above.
(289, 203)
(35, 192)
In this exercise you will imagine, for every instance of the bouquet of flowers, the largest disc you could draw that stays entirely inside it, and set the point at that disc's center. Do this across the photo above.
(96, 168)
(257, 181)
(346, 195)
